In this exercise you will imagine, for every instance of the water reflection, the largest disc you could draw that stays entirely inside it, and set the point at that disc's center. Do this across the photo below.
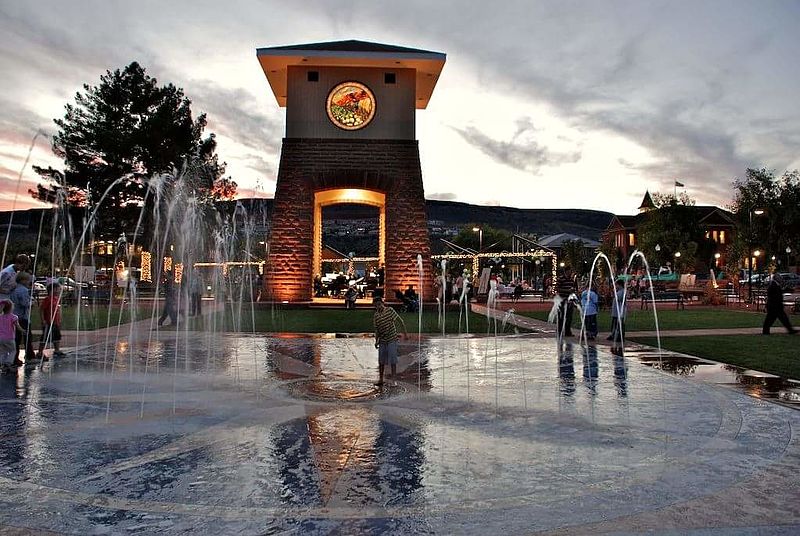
(620, 371)
(566, 369)
(350, 454)
(591, 368)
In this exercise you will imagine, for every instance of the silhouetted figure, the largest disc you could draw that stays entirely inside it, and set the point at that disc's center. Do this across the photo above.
(410, 299)
(775, 306)
(170, 302)
(381, 275)
(350, 297)
(517, 293)
(565, 288)
(618, 307)
(196, 296)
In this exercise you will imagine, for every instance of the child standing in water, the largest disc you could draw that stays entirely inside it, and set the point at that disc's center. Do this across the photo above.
(9, 325)
(51, 322)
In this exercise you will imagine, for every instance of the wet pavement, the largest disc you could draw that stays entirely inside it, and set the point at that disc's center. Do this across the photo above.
(207, 434)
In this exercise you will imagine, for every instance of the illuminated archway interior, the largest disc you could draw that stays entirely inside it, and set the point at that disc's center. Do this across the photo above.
(355, 196)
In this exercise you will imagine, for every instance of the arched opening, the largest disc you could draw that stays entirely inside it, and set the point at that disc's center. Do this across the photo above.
(351, 196)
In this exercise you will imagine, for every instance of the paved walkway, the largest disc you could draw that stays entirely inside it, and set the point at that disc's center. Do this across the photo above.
(547, 329)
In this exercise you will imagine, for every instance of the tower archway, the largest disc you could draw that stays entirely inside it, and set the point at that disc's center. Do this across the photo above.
(352, 196)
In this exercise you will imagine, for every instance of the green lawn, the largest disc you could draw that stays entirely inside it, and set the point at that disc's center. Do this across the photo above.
(638, 320)
(776, 354)
(336, 321)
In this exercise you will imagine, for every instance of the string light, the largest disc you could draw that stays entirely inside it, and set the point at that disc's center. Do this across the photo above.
(167, 264)
(178, 272)
(147, 274)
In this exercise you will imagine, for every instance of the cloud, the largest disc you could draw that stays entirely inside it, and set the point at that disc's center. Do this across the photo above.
(521, 152)
(236, 114)
(442, 196)
(688, 84)
(259, 164)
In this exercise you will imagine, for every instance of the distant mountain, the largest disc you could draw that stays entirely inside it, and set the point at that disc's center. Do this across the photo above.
(539, 221)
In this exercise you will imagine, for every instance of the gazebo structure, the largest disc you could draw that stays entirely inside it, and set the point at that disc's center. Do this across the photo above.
(350, 138)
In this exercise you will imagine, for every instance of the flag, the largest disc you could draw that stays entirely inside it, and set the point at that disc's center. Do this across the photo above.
(678, 184)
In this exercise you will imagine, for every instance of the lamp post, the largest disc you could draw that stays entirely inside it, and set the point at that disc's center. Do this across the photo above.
(479, 230)
(677, 258)
(788, 252)
(757, 212)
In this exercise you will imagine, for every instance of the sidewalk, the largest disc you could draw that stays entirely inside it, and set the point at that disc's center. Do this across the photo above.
(546, 329)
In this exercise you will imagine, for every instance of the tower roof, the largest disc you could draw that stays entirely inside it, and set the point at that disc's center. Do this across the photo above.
(275, 62)
(647, 202)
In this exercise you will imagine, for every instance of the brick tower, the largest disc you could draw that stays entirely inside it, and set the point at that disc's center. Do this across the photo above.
(350, 138)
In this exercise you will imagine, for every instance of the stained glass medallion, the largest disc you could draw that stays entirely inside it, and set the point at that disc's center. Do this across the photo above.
(351, 105)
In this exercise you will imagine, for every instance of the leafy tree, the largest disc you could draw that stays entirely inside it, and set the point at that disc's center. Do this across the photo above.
(572, 252)
(778, 227)
(494, 239)
(121, 133)
(673, 225)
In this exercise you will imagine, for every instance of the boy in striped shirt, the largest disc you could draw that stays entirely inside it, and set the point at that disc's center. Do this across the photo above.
(386, 337)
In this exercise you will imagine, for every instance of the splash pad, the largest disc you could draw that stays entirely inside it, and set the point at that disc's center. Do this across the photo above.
(242, 434)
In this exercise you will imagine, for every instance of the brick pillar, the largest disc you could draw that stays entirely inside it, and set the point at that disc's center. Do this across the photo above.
(309, 165)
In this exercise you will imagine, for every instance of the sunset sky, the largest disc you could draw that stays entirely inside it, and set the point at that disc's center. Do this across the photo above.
(540, 105)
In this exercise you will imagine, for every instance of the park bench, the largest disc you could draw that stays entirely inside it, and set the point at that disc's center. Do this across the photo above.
(664, 296)
(760, 299)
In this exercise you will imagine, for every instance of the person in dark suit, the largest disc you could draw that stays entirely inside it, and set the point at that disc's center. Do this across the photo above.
(775, 306)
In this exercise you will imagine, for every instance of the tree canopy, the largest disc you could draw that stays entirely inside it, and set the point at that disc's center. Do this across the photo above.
(489, 238)
(778, 201)
(673, 225)
(119, 134)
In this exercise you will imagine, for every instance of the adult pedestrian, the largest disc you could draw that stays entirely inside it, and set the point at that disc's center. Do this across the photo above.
(8, 276)
(589, 305)
(386, 336)
(565, 287)
(170, 301)
(618, 307)
(21, 298)
(196, 295)
(774, 307)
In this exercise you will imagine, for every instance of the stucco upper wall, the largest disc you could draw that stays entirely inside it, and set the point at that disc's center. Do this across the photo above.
(306, 116)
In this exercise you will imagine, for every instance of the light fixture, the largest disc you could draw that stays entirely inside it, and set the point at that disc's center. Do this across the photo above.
(677, 254)
(757, 253)
(717, 255)
(788, 250)
(658, 247)
(758, 211)
(561, 264)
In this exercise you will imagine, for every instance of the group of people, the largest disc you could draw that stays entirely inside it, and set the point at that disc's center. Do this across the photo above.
(15, 316)
(567, 288)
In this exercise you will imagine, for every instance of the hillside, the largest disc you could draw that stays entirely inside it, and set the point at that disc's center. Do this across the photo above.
(539, 221)
(587, 223)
